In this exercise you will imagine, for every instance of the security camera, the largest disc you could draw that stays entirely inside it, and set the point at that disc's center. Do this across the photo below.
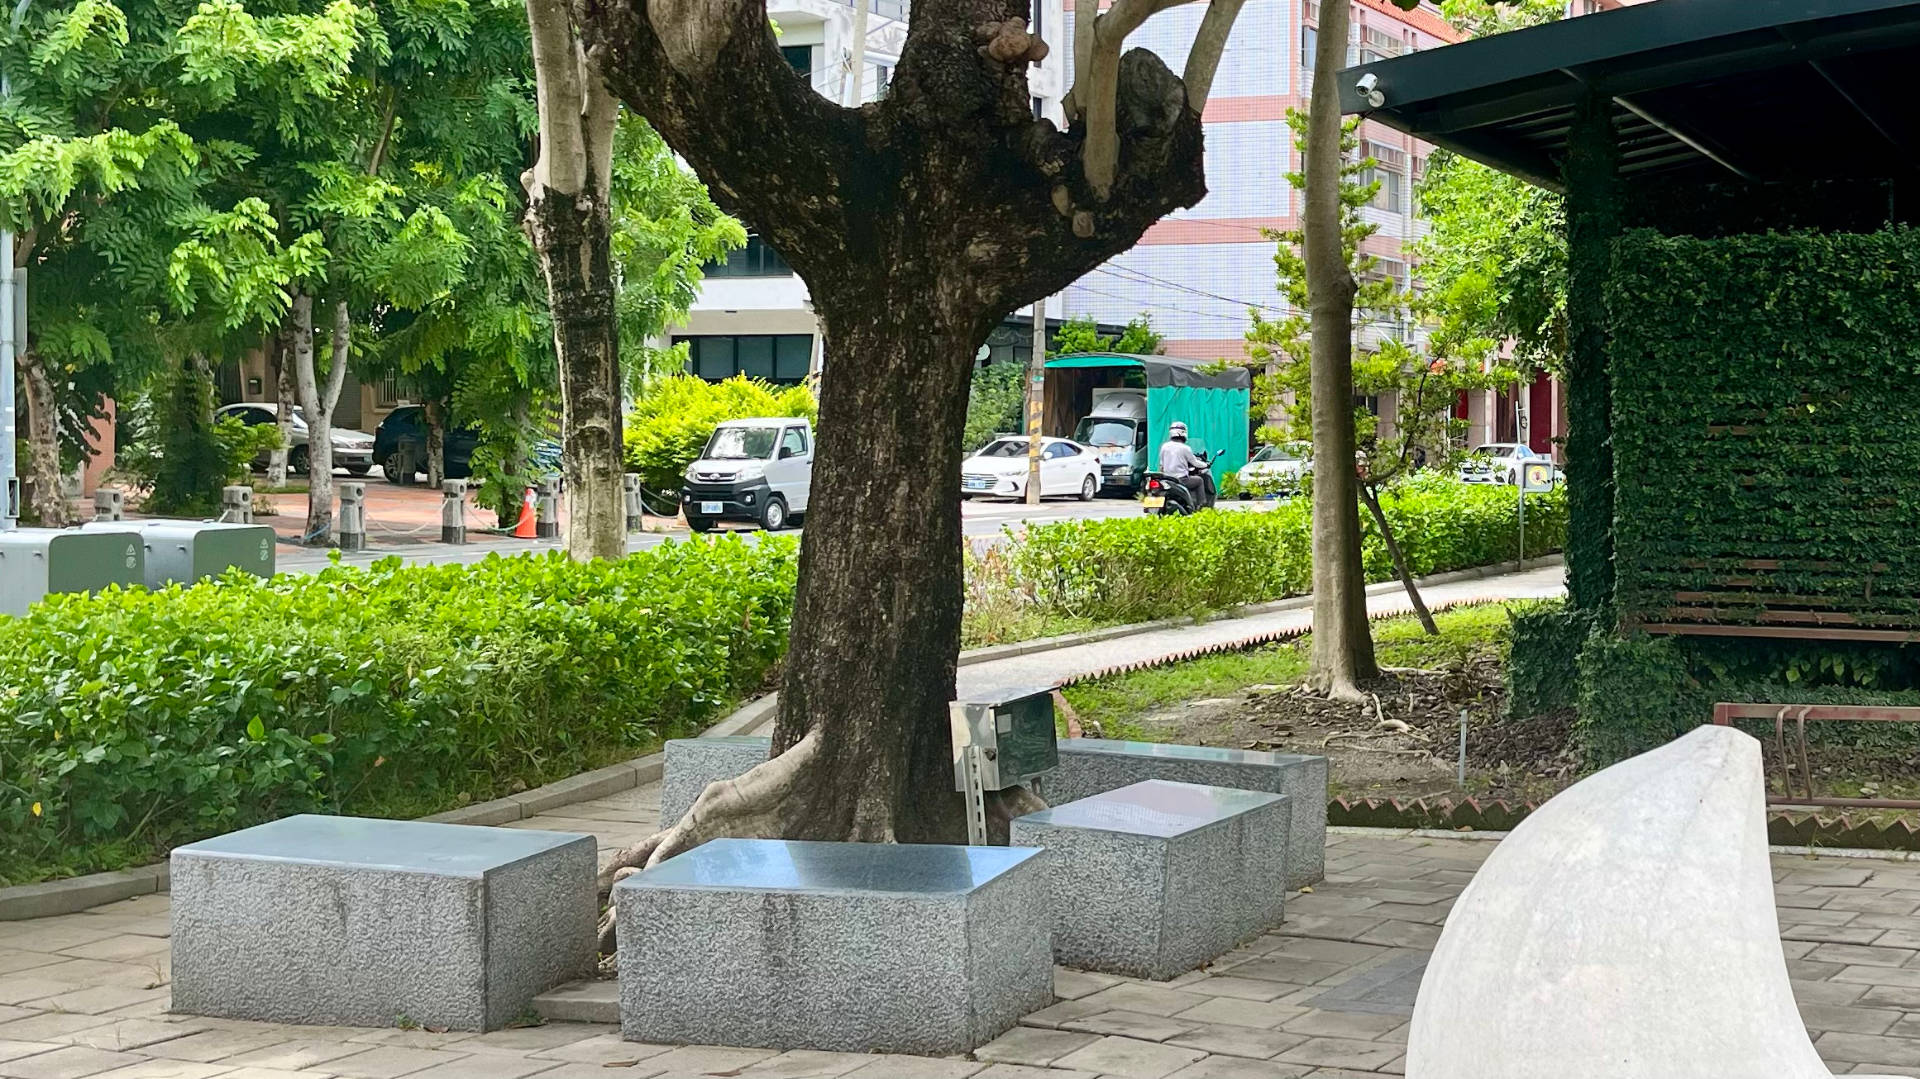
(1369, 87)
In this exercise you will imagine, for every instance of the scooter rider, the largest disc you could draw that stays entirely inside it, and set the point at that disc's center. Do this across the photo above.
(1178, 461)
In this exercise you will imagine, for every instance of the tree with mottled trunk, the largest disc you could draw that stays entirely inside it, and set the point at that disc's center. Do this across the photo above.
(1342, 640)
(918, 222)
(317, 400)
(43, 439)
(434, 413)
(569, 218)
(280, 349)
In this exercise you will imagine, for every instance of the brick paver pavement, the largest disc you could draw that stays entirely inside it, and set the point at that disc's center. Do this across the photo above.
(1327, 996)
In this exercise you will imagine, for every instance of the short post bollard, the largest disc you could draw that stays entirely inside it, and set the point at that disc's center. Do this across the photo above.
(236, 505)
(109, 504)
(352, 520)
(630, 485)
(548, 520)
(453, 511)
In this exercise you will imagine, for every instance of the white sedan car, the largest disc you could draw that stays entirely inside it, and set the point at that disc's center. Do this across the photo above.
(1501, 462)
(999, 470)
(1273, 470)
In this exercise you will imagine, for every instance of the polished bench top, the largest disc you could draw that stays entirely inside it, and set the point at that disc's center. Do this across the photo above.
(797, 866)
(1155, 807)
(452, 850)
(1178, 752)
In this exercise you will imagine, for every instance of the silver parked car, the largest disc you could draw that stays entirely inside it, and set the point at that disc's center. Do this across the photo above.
(352, 450)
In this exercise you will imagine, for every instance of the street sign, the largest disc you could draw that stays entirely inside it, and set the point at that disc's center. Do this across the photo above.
(1537, 477)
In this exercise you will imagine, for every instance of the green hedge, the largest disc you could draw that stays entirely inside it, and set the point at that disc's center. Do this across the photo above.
(136, 720)
(1136, 568)
(1763, 426)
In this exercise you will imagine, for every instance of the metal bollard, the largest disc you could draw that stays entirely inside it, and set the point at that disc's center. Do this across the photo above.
(630, 484)
(352, 521)
(547, 516)
(109, 504)
(453, 511)
(236, 504)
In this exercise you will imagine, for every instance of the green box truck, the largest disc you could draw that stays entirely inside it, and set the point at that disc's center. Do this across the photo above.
(1123, 405)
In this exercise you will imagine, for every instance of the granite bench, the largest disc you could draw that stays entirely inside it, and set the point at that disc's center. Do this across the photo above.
(358, 922)
(844, 947)
(1090, 766)
(693, 763)
(1156, 878)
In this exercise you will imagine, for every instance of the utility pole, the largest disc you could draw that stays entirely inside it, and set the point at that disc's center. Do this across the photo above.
(1036, 399)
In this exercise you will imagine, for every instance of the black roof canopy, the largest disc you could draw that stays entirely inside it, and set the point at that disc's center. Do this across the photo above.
(1765, 90)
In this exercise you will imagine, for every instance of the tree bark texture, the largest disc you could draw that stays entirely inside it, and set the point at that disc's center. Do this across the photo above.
(434, 412)
(316, 403)
(280, 349)
(43, 437)
(1342, 640)
(569, 220)
(918, 222)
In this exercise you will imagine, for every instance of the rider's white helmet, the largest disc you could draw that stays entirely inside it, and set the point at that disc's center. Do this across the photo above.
(1179, 430)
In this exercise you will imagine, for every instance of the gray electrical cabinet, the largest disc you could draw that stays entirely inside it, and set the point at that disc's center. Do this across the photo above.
(37, 561)
(182, 552)
(1013, 732)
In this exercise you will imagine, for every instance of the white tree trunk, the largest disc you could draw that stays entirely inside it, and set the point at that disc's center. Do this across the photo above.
(282, 353)
(317, 402)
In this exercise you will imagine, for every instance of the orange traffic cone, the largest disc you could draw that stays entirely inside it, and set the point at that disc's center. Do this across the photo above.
(524, 527)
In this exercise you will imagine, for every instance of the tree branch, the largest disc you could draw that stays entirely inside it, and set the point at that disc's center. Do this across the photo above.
(1101, 99)
(337, 374)
(1203, 60)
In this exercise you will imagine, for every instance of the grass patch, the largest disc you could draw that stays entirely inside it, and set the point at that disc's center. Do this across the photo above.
(1119, 702)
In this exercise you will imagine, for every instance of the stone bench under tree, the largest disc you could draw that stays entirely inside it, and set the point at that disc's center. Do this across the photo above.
(1157, 878)
(358, 922)
(844, 947)
(1088, 766)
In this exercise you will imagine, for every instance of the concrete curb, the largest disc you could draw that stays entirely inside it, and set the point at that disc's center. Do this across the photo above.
(80, 893)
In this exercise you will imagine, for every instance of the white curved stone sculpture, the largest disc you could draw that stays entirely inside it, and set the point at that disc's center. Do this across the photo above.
(1625, 930)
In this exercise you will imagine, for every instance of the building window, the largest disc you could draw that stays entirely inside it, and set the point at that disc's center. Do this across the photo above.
(1390, 164)
(1039, 108)
(1309, 43)
(1312, 11)
(882, 78)
(783, 359)
(1039, 8)
(1379, 44)
(800, 58)
(757, 259)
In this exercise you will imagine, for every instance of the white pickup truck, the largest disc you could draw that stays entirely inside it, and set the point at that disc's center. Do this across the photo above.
(758, 471)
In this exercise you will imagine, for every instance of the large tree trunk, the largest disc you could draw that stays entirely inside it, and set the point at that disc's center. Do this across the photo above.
(435, 414)
(570, 222)
(43, 438)
(1342, 639)
(316, 402)
(280, 349)
(917, 222)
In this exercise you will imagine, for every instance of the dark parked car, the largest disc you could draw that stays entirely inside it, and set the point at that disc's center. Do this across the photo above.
(404, 433)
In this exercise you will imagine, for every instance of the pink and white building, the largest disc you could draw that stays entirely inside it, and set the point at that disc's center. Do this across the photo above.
(1201, 271)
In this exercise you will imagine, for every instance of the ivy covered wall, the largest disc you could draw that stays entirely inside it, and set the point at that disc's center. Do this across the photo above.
(1766, 439)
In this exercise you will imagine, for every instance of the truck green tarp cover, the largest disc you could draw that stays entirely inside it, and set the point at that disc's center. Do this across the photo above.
(1211, 400)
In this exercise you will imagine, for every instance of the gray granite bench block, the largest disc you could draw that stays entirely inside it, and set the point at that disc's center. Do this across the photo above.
(351, 921)
(844, 947)
(1089, 766)
(692, 763)
(1154, 879)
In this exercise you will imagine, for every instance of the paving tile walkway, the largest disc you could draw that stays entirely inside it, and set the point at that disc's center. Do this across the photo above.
(1327, 996)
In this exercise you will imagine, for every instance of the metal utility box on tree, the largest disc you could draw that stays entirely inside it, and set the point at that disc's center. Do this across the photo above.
(1000, 740)
(36, 562)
